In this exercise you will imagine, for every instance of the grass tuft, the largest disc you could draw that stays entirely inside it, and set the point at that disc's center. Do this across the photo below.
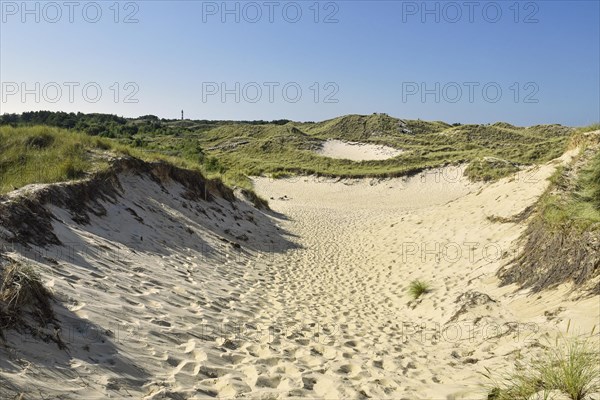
(571, 366)
(418, 288)
(21, 289)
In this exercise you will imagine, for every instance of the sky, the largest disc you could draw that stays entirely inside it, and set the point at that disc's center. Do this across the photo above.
(525, 62)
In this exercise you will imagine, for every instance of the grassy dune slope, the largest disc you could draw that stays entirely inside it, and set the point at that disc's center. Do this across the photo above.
(562, 241)
(43, 154)
(239, 149)
(235, 150)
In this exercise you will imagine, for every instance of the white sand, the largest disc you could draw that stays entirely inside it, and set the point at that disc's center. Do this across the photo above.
(356, 151)
(329, 319)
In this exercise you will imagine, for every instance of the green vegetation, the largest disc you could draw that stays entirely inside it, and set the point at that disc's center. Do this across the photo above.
(592, 185)
(283, 150)
(418, 288)
(44, 154)
(233, 151)
(112, 126)
(562, 240)
(573, 200)
(577, 205)
(571, 367)
(489, 169)
(589, 128)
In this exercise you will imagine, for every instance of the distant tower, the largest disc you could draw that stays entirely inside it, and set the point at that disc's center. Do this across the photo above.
(182, 115)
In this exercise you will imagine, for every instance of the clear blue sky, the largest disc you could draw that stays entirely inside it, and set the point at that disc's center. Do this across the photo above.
(377, 57)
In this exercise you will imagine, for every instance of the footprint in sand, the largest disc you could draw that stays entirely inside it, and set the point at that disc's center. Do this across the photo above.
(350, 369)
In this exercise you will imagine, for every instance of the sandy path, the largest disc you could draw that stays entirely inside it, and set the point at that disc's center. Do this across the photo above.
(343, 280)
(355, 331)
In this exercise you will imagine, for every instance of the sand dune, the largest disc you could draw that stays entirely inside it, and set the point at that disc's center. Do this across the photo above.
(162, 299)
(356, 151)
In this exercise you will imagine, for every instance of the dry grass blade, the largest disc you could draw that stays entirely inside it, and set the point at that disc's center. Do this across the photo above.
(22, 289)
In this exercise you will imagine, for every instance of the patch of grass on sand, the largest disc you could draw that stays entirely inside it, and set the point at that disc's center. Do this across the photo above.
(21, 289)
(562, 238)
(44, 154)
(579, 207)
(417, 288)
(571, 367)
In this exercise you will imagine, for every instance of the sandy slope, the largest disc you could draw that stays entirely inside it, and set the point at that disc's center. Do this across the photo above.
(317, 309)
(357, 151)
(365, 241)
